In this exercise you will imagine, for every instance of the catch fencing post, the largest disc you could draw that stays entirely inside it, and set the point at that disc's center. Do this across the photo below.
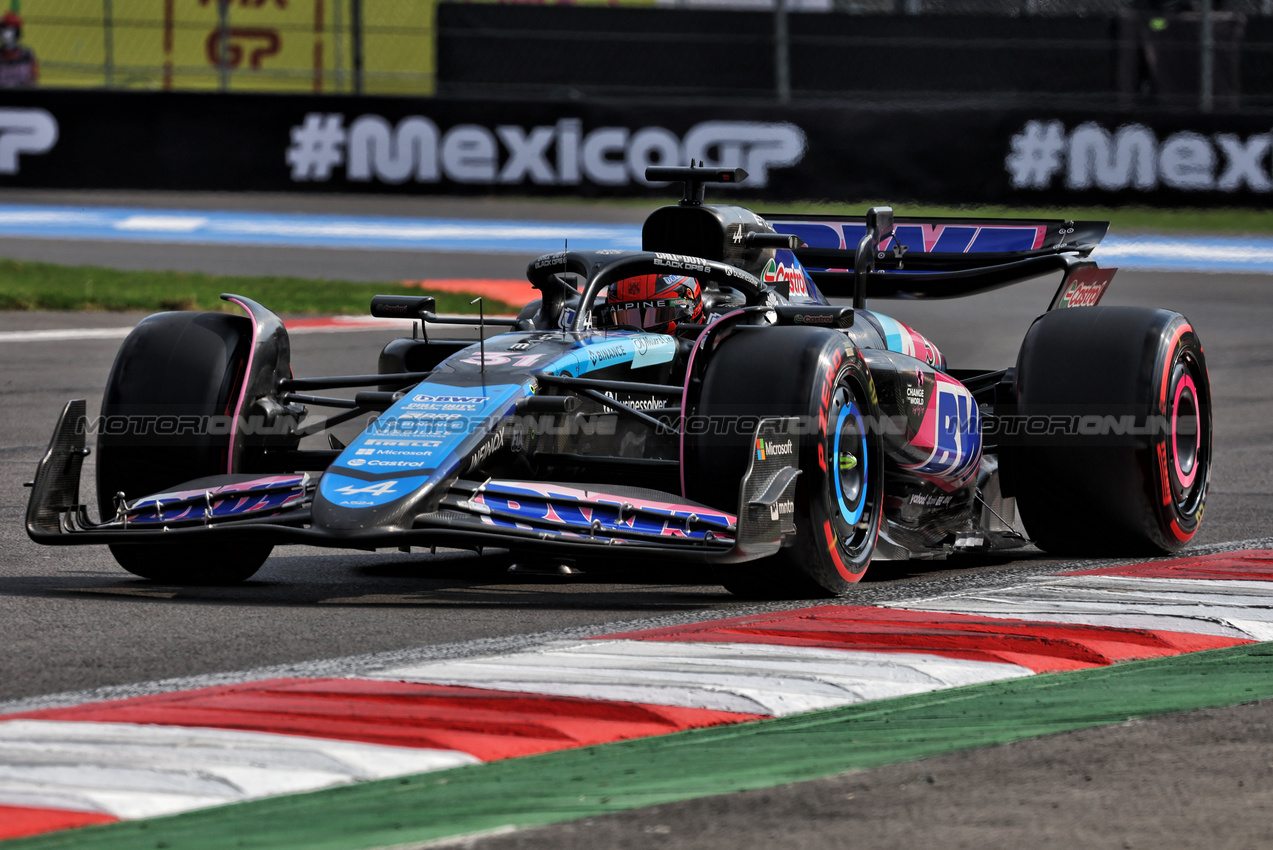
(1207, 83)
(355, 32)
(108, 42)
(223, 41)
(782, 52)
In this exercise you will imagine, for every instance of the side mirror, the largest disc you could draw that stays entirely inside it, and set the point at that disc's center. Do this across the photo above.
(402, 306)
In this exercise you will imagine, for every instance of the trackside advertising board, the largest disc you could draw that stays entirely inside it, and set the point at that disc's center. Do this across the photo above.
(254, 142)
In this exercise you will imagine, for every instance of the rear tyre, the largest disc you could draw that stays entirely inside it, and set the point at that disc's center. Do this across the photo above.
(1099, 492)
(173, 372)
(813, 374)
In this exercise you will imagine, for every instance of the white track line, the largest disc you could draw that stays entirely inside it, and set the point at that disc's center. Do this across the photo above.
(333, 324)
(64, 334)
(140, 771)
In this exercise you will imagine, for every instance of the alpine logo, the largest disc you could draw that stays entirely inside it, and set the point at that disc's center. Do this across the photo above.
(379, 488)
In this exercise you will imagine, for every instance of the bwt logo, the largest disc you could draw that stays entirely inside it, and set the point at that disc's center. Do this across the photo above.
(561, 154)
(32, 131)
(1091, 157)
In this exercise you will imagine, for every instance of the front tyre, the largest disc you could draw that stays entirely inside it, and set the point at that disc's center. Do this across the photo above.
(185, 564)
(173, 376)
(1133, 480)
(814, 375)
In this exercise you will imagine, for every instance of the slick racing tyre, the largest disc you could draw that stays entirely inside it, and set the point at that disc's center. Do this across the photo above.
(813, 374)
(173, 372)
(1123, 464)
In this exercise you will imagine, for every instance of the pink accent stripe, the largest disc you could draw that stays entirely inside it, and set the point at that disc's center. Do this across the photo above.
(1039, 646)
(1248, 565)
(487, 724)
(369, 323)
(243, 391)
(21, 821)
(361, 323)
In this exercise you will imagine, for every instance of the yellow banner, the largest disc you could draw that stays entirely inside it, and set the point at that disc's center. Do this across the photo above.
(264, 45)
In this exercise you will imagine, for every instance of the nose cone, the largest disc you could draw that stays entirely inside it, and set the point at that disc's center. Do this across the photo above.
(395, 468)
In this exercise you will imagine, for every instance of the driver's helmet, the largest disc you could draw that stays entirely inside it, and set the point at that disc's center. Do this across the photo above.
(653, 302)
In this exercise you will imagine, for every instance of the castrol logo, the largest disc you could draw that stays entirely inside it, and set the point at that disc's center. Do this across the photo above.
(1086, 287)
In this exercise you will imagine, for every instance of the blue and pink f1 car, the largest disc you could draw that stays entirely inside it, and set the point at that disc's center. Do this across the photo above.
(782, 438)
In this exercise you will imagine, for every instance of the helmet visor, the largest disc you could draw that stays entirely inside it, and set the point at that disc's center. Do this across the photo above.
(649, 314)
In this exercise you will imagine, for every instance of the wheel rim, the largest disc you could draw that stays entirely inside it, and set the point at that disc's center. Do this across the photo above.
(849, 460)
(848, 468)
(1189, 455)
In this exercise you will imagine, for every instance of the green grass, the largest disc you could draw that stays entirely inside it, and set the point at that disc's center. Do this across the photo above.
(46, 286)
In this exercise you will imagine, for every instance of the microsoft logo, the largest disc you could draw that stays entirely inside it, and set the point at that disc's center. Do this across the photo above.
(766, 450)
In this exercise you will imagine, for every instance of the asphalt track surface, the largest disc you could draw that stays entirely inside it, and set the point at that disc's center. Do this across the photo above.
(71, 620)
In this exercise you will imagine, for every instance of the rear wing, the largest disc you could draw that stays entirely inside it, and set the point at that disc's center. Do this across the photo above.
(880, 256)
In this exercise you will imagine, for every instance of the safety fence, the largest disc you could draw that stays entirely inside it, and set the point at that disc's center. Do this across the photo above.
(1136, 57)
(1146, 52)
(313, 46)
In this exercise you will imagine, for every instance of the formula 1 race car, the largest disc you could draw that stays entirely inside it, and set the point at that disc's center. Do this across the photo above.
(700, 399)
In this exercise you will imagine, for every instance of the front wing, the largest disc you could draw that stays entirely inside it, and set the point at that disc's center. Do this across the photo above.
(567, 519)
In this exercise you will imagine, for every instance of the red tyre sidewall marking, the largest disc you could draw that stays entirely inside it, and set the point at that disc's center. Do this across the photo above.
(1164, 466)
(825, 395)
